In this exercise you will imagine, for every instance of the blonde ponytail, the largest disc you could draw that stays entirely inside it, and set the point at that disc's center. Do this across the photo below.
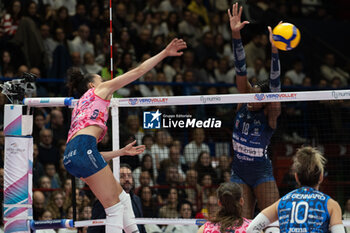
(308, 164)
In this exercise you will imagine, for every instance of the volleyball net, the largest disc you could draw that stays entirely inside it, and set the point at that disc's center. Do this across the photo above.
(198, 124)
(195, 134)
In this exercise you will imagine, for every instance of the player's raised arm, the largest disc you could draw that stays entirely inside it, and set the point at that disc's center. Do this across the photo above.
(238, 51)
(275, 83)
(173, 49)
(275, 73)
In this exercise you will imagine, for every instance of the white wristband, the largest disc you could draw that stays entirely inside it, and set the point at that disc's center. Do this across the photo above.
(339, 228)
(258, 224)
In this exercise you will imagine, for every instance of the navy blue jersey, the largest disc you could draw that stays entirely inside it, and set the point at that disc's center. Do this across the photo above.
(251, 135)
(304, 210)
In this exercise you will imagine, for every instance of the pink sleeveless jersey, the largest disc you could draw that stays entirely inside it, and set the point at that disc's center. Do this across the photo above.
(215, 228)
(90, 110)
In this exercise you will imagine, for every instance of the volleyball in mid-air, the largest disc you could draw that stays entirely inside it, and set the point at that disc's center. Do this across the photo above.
(286, 36)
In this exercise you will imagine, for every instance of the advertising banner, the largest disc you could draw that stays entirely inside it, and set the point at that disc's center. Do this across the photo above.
(18, 183)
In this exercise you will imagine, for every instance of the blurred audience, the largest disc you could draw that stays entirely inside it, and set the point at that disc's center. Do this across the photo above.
(195, 147)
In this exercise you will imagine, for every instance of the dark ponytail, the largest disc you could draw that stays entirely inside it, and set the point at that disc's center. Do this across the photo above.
(77, 82)
(230, 213)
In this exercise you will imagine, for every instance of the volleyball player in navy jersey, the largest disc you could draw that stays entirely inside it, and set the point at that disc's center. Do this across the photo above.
(253, 127)
(305, 209)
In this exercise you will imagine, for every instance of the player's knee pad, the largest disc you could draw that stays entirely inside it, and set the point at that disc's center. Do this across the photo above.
(129, 223)
(114, 218)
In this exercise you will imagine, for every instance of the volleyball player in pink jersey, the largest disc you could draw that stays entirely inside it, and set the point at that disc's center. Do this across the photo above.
(88, 126)
(229, 217)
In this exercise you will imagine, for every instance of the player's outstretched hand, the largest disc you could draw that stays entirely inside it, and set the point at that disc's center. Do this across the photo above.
(235, 18)
(270, 36)
(174, 47)
(133, 150)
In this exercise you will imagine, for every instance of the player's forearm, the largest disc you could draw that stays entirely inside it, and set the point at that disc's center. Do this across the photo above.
(136, 73)
(238, 54)
(108, 155)
(240, 63)
(274, 49)
(275, 73)
(236, 35)
(152, 62)
(259, 223)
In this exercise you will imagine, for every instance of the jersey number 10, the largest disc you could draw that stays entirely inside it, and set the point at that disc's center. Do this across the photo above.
(295, 212)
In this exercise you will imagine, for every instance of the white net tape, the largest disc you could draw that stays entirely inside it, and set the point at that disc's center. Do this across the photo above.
(101, 222)
(203, 99)
(163, 221)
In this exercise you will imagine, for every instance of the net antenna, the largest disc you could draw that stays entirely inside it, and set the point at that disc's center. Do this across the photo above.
(111, 36)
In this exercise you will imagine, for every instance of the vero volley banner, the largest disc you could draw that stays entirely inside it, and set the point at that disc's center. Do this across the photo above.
(18, 183)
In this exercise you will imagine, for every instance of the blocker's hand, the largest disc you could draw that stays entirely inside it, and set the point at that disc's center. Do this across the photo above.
(235, 18)
(174, 46)
(132, 150)
(270, 35)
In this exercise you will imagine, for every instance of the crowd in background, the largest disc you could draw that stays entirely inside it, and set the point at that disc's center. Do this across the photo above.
(47, 37)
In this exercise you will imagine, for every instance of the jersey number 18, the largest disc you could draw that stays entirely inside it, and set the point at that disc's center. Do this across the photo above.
(245, 128)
